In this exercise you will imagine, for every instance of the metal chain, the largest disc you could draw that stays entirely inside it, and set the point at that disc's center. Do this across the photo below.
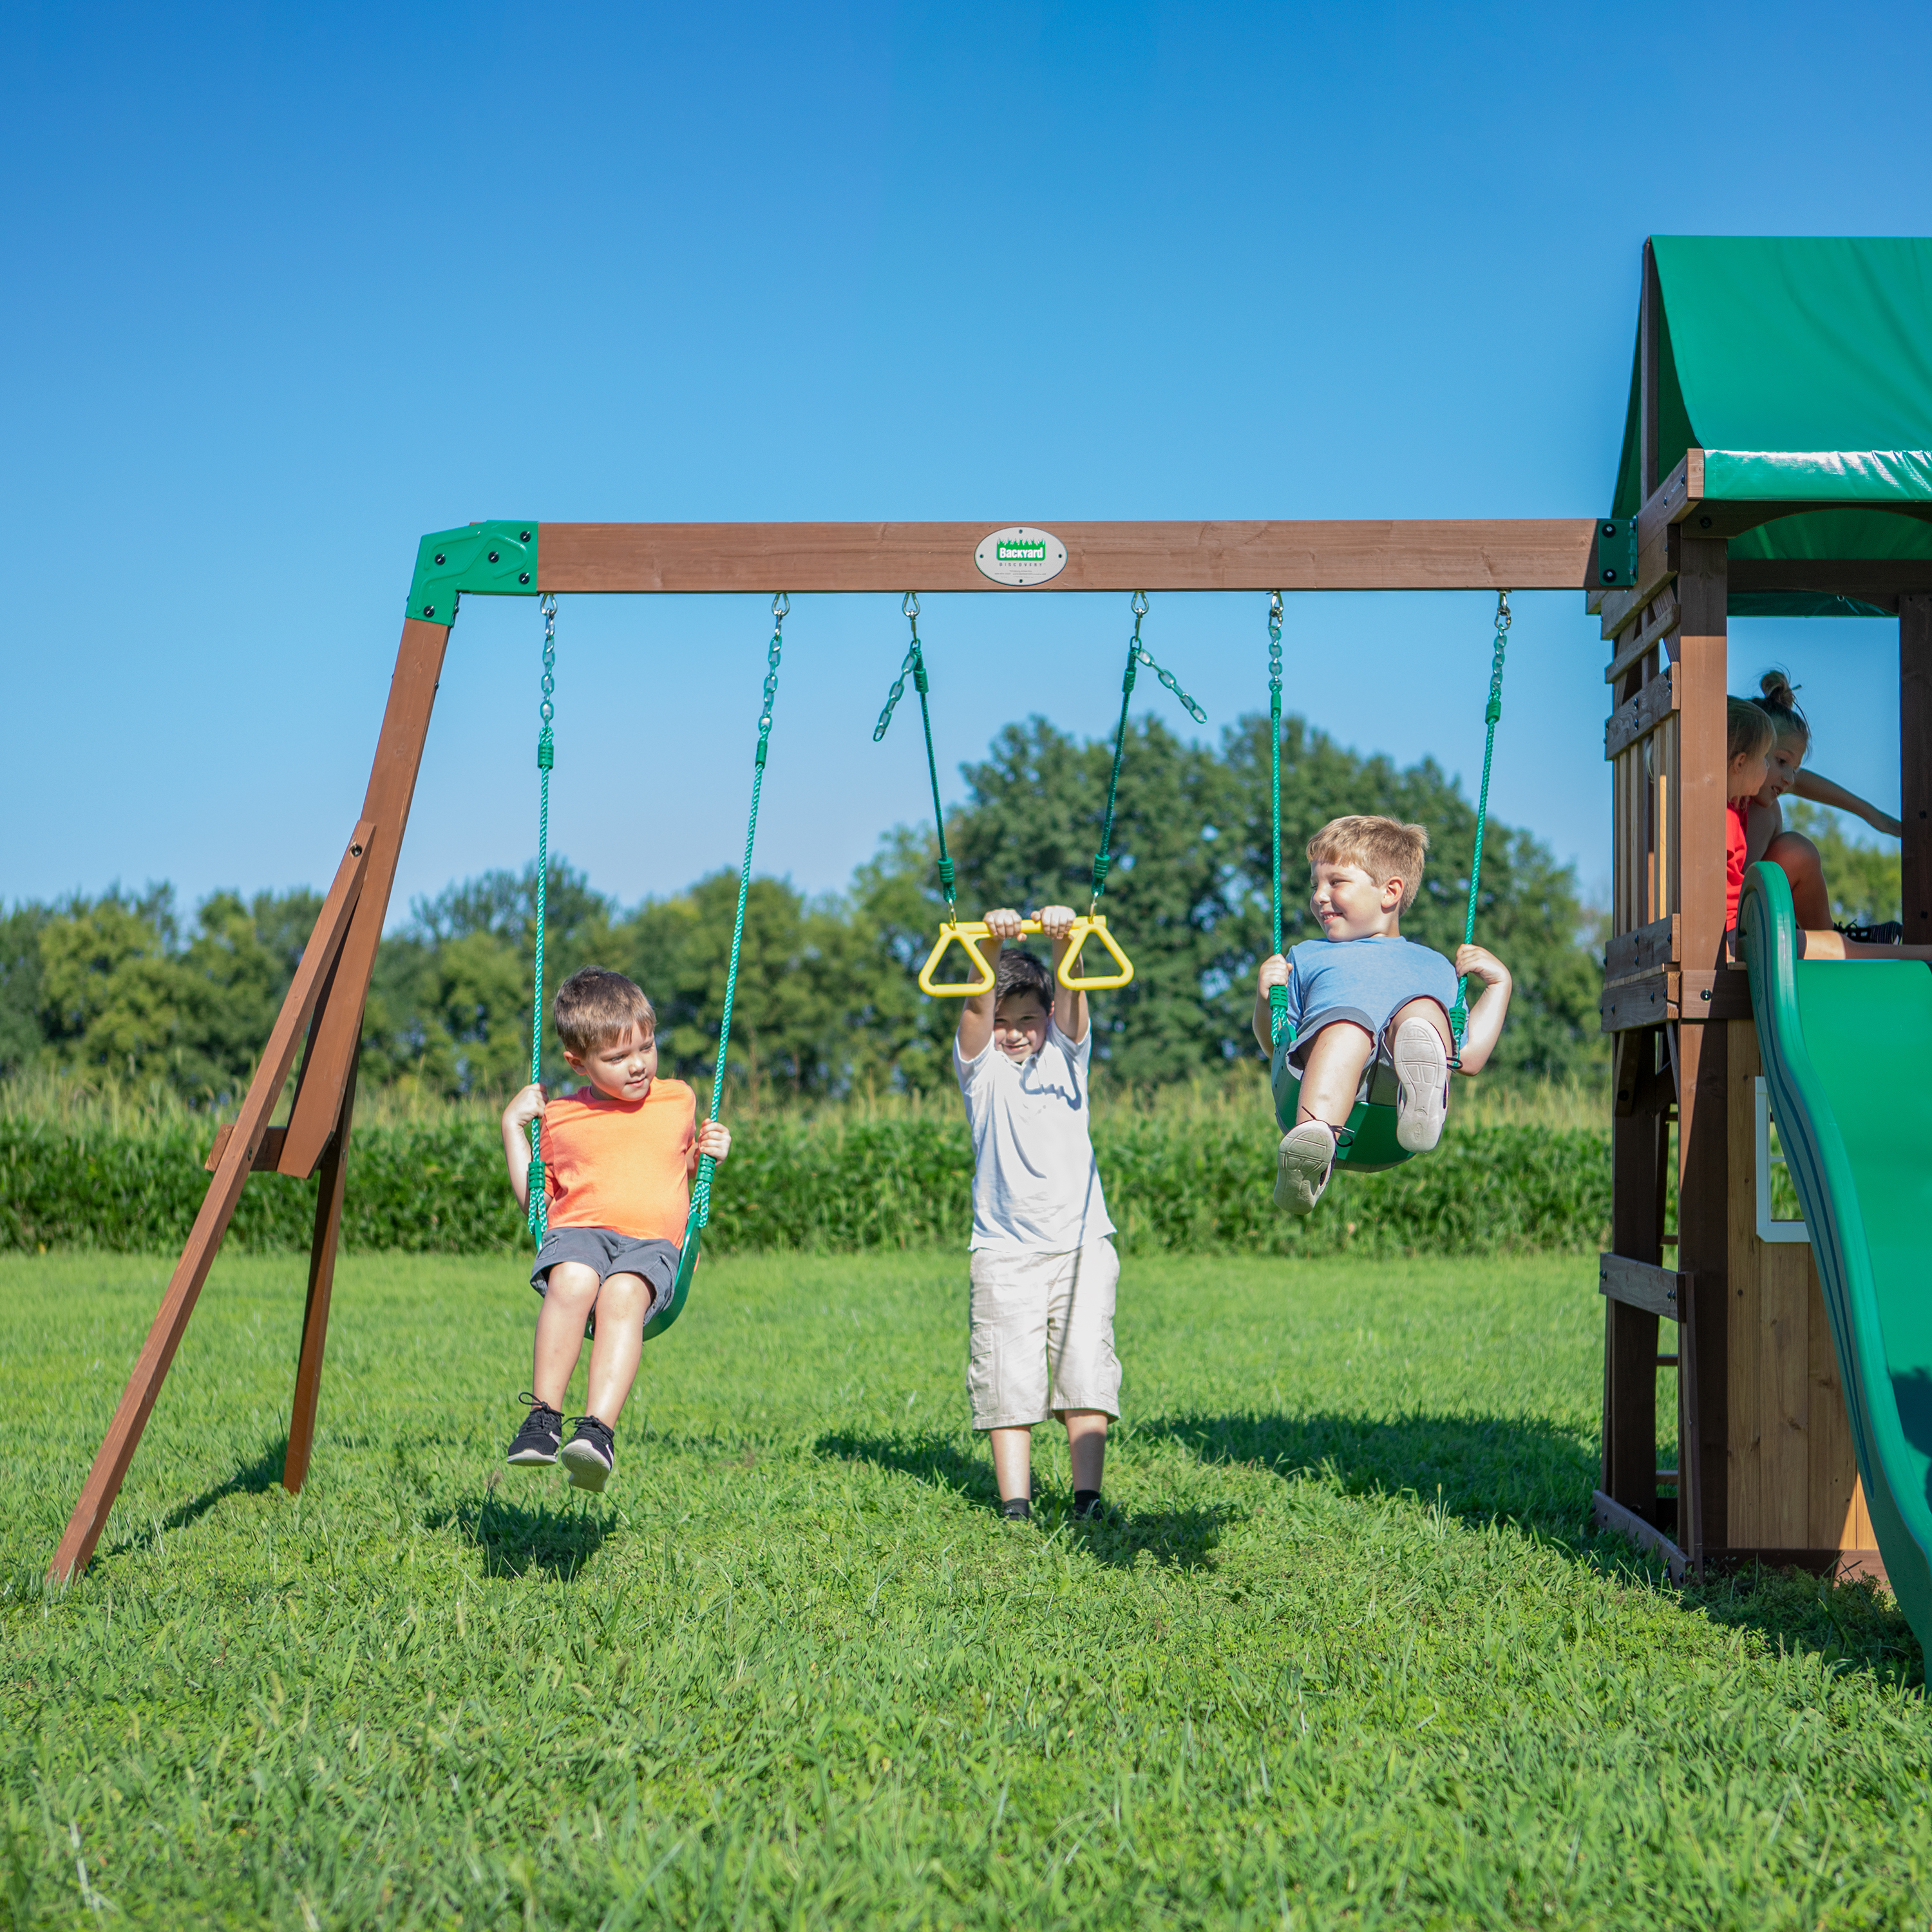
(914, 666)
(700, 1190)
(909, 607)
(1137, 654)
(538, 1215)
(1459, 1014)
(1166, 677)
(1277, 995)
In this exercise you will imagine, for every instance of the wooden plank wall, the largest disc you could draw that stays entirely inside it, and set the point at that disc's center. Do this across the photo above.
(1792, 1482)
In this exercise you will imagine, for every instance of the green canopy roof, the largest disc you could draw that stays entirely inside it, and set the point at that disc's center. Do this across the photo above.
(1802, 368)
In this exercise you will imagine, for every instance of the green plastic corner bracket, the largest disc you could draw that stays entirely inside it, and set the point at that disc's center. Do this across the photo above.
(493, 560)
(1615, 566)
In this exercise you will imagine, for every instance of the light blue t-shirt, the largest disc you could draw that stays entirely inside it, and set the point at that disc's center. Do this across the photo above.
(1366, 980)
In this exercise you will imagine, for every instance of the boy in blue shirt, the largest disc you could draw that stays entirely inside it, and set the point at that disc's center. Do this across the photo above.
(1363, 995)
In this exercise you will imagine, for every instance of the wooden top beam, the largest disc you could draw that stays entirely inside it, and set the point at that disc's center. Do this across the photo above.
(1548, 553)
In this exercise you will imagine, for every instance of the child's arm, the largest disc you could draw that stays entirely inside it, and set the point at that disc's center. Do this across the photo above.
(1820, 790)
(527, 1107)
(976, 1014)
(1763, 824)
(1492, 1006)
(1274, 972)
(1069, 1008)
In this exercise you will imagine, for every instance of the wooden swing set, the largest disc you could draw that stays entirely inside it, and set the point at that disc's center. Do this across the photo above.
(321, 1017)
(1687, 546)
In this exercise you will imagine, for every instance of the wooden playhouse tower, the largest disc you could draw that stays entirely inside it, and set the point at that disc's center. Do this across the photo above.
(1774, 463)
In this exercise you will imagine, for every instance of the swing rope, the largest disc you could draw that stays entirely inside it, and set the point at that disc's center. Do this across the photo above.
(1137, 654)
(1277, 995)
(539, 1205)
(915, 666)
(700, 1191)
(1459, 1014)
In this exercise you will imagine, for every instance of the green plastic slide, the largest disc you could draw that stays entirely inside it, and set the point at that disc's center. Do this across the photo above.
(1847, 1047)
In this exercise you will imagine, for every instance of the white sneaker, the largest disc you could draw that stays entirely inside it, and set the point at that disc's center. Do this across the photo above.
(1422, 1085)
(1307, 1158)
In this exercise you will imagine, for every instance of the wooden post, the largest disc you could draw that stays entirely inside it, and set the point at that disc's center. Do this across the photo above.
(137, 1399)
(1638, 1137)
(1702, 1165)
(392, 785)
(1914, 764)
(330, 1179)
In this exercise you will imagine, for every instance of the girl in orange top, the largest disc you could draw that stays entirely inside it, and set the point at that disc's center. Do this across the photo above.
(618, 1158)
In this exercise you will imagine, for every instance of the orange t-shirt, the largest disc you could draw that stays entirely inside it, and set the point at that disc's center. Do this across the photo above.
(623, 1165)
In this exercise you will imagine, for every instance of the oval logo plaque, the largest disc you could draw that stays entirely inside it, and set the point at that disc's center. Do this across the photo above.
(1021, 555)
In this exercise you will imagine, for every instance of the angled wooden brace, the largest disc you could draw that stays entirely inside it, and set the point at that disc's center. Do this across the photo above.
(239, 1155)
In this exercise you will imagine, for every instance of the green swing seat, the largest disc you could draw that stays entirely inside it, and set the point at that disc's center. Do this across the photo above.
(1370, 1145)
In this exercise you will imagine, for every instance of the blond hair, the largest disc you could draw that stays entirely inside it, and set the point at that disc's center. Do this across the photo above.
(1748, 729)
(1384, 848)
(595, 1008)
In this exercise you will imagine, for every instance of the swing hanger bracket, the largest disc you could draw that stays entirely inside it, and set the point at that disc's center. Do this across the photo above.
(490, 560)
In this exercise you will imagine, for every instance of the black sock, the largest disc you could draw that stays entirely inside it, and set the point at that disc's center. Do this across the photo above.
(1086, 1502)
(1015, 1509)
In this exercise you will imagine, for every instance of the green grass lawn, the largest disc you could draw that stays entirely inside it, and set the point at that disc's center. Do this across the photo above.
(1346, 1656)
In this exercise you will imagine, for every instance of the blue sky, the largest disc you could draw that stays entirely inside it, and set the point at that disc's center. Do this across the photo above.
(289, 288)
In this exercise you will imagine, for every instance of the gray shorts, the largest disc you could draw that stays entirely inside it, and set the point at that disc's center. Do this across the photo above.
(610, 1253)
(1377, 1084)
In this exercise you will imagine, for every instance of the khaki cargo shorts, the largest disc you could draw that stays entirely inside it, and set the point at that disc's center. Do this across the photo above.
(1043, 1335)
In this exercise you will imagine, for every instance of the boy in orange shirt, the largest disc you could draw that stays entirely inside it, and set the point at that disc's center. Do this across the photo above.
(618, 1159)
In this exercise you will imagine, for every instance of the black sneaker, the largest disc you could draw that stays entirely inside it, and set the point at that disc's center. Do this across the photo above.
(1087, 1506)
(1016, 1509)
(590, 1454)
(1891, 933)
(534, 1446)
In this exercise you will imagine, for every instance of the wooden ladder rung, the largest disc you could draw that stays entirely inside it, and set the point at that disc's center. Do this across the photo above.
(1667, 1361)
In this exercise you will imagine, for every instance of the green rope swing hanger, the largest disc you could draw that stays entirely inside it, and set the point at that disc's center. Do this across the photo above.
(1370, 1144)
(701, 1189)
(1093, 923)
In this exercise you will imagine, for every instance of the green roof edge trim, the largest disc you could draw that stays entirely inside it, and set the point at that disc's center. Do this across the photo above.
(1818, 475)
(489, 559)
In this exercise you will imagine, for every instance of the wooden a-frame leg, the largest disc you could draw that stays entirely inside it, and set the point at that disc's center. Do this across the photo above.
(332, 1178)
(137, 1399)
(344, 942)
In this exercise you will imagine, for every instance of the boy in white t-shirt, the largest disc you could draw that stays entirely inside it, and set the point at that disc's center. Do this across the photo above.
(1043, 1271)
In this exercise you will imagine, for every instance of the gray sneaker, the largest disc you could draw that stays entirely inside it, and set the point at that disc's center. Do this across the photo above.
(1421, 1085)
(1307, 1159)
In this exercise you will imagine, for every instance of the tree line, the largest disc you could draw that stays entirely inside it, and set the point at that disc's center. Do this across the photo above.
(125, 988)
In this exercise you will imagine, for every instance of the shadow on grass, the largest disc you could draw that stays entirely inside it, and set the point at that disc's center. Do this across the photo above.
(1530, 1473)
(1853, 1625)
(1178, 1537)
(928, 1458)
(513, 1538)
(255, 1478)
(1517, 1468)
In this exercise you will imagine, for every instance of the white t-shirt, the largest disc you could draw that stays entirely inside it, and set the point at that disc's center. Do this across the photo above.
(1035, 1184)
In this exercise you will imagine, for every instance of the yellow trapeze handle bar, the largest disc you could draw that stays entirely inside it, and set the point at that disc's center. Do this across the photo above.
(964, 931)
